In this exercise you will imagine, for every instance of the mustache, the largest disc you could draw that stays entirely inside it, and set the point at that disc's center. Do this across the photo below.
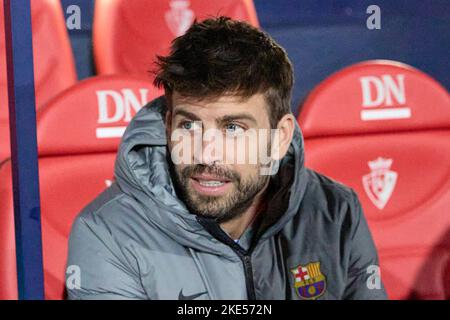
(220, 172)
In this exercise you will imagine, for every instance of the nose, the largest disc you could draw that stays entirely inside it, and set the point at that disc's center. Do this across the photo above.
(209, 150)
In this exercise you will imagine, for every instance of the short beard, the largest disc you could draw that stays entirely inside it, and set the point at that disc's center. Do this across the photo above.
(220, 208)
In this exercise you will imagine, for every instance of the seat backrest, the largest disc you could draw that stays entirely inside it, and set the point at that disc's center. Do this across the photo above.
(128, 35)
(78, 136)
(383, 128)
(54, 66)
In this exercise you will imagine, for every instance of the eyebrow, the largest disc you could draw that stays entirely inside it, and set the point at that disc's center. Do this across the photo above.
(239, 116)
(221, 120)
(187, 114)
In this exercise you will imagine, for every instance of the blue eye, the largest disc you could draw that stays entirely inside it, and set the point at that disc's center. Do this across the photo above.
(187, 125)
(191, 125)
(233, 128)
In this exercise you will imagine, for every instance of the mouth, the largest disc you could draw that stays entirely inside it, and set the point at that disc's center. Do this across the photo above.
(210, 185)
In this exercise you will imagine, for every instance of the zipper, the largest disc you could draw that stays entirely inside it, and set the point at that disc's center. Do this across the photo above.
(247, 260)
(214, 229)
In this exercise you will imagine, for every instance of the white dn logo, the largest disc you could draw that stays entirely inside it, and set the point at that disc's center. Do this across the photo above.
(384, 98)
(179, 18)
(380, 182)
(115, 107)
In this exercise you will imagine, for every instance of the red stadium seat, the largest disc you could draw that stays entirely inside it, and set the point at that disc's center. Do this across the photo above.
(54, 68)
(78, 136)
(383, 128)
(127, 35)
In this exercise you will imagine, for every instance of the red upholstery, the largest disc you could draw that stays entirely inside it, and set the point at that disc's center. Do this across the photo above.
(128, 34)
(398, 166)
(74, 166)
(8, 282)
(103, 106)
(54, 68)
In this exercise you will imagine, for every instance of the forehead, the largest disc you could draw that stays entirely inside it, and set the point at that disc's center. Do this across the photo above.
(221, 106)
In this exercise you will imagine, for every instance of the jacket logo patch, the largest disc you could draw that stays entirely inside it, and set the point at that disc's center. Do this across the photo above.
(310, 283)
(181, 296)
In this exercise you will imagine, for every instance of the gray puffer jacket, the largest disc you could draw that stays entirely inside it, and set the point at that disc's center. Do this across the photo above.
(137, 240)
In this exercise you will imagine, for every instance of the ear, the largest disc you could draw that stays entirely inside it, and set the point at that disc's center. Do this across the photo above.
(283, 136)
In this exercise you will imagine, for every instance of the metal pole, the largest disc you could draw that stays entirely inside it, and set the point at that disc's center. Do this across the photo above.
(22, 115)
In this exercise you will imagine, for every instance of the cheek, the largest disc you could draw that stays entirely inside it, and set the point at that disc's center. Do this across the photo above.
(180, 167)
(246, 171)
(180, 146)
(241, 150)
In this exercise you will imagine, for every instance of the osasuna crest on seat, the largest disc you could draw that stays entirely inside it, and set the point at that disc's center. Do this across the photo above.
(310, 282)
(380, 182)
(180, 17)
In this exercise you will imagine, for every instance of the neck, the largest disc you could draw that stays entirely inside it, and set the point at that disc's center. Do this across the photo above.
(236, 226)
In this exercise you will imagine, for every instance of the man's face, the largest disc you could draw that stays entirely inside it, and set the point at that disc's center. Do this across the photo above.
(213, 146)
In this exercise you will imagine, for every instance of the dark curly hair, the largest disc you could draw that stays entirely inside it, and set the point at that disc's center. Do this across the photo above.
(220, 56)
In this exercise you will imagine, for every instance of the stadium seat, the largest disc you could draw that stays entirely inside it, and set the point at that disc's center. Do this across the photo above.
(127, 35)
(383, 128)
(54, 68)
(78, 136)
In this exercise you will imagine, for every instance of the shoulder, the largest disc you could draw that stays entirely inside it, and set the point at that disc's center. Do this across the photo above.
(330, 200)
(112, 213)
(326, 186)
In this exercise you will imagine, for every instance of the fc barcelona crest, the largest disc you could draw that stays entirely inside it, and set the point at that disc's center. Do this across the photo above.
(310, 283)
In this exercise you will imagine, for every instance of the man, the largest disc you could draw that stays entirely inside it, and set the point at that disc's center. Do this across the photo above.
(190, 216)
